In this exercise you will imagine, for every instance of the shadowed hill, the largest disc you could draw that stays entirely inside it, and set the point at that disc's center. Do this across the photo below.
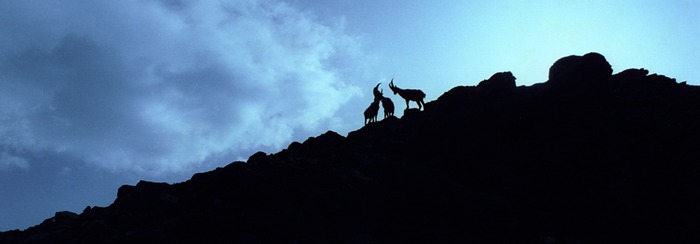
(586, 157)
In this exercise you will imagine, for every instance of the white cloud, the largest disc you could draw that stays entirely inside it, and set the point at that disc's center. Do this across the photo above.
(161, 86)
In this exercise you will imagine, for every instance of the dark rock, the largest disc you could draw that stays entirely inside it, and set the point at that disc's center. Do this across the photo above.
(65, 216)
(411, 113)
(587, 157)
(330, 137)
(257, 157)
(576, 69)
(294, 146)
(633, 74)
(125, 191)
(499, 82)
(151, 186)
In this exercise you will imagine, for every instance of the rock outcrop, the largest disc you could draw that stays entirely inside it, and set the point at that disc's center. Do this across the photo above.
(586, 157)
(502, 81)
(588, 69)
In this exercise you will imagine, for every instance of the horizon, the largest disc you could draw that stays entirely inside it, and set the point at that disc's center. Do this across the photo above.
(98, 95)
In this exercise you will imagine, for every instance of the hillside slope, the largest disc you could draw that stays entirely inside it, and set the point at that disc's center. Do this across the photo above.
(586, 157)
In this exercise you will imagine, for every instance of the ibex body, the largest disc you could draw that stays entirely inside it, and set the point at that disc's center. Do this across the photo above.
(409, 94)
(371, 112)
(388, 106)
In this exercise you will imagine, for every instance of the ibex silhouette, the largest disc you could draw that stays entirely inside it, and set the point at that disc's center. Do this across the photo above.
(387, 104)
(408, 94)
(377, 93)
(371, 112)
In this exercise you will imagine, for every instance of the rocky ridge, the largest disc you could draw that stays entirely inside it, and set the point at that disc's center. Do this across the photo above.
(587, 157)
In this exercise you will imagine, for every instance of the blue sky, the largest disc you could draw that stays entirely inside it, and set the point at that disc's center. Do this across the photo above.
(98, 94)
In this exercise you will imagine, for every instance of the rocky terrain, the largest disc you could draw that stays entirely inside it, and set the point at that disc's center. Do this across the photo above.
(587, 157)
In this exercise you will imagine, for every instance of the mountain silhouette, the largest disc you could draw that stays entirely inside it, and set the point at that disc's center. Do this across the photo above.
(586, 157)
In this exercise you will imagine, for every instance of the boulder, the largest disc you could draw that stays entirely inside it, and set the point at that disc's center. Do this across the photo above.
(574, 69)
(502, 81)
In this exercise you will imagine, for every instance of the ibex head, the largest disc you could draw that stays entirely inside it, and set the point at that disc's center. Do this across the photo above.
(393, 87)
(377, 93)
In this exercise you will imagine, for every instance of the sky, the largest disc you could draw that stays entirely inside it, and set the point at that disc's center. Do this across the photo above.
(97, 94)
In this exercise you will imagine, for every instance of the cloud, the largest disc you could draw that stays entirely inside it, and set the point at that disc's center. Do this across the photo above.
(160, 86)
(8, 161)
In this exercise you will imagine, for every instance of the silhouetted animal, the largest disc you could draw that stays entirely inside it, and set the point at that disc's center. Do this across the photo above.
(388, 106)
(371, 112)
(408, 94)
(377, 94)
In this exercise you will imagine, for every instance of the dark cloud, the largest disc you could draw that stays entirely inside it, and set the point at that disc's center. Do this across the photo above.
(155, 87)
